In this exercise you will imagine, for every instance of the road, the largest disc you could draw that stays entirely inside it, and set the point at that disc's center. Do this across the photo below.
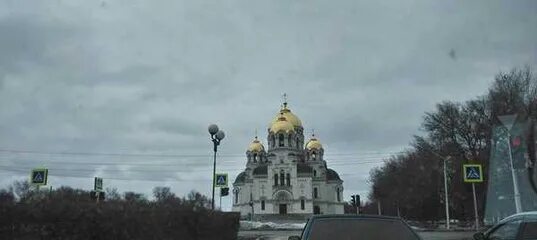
(282, 235)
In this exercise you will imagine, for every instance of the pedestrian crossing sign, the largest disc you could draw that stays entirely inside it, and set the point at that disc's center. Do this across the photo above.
(221, 180)
(98, 184)
(473, 173)
(39, 177)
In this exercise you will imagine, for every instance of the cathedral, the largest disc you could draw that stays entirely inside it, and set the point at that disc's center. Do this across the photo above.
(290, 179)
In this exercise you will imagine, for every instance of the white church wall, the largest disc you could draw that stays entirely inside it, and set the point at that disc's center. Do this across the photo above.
(320, 191)
(245, 210)
(303, 188)
(308, 207)
(329, 192)
(262, 189)
(244, 194)
(339, 209)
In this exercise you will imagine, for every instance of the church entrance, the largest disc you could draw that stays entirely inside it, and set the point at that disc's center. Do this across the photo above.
(316, 210)
(283, 209)
(282, 199)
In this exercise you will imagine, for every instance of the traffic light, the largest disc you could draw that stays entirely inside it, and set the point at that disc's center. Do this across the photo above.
(224, 191)
(355, 200)
(518, 151)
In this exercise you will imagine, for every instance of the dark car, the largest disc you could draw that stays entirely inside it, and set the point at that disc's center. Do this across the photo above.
(522, 226)
(352, 227)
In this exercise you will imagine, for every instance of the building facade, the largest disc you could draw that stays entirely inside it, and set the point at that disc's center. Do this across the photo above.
(290, 178)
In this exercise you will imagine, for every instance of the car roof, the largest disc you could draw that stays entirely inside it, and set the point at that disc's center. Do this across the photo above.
(522, 214)
(355, 216)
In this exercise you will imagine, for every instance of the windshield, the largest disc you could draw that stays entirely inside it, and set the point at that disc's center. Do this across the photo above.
(193, 119)
(351, 229)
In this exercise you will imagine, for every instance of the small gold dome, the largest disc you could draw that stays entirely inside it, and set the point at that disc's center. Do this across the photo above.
(256, 146)
(292, 118)
(314, 143)
(282, 125)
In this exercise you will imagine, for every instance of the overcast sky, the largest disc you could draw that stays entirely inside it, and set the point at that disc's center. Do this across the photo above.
(143, 79)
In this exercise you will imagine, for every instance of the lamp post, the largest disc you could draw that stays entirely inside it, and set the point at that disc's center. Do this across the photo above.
(508, 121)
(446, 191)
(216, 136)
(446, 201)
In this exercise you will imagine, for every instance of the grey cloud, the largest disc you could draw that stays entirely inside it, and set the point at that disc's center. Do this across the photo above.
(26, 42)
(177, 126)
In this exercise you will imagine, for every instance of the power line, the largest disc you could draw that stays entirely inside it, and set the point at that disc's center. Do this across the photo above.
(163, 164)
(164, 170)
(18, 151)
(167, 162)
(113, 178)
(120, 170)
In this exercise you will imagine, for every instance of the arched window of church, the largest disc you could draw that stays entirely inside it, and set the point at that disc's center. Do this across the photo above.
(297, 144)
(281, 140)
(315, 173)
(302, 204)
(289, 141)
(236, 196)
(255, 157)
(315, 193)
(288, 179)
(282, 178)
(272, 141)
(338, 195)
(313, 156)
(276, 179)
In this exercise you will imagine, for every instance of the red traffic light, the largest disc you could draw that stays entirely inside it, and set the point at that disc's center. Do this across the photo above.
(516, 141)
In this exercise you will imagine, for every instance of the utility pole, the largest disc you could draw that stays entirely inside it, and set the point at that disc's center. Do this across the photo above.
(446, 194)
(379, 210)
(446, 200)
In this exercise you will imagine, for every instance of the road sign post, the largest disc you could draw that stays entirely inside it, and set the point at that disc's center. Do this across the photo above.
(223, 192)
(476, 214)
(473, 173)
(98, 184)
(98, 187)
(39, 177)
(221, 180)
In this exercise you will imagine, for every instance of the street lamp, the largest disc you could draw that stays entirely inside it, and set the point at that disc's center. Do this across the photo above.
(216, 137)
(446, 202)
(508, 121)
(446, 191)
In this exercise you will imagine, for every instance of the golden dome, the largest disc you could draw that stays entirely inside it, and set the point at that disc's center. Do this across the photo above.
(314, 143)
(292, 118)
(282, 125)
(256, 146)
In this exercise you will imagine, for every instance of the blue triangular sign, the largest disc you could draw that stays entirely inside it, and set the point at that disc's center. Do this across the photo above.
(221, 180)
(38, 177)
(473, 174)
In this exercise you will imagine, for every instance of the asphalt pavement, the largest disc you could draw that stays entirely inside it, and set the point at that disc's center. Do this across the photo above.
(283, 235)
